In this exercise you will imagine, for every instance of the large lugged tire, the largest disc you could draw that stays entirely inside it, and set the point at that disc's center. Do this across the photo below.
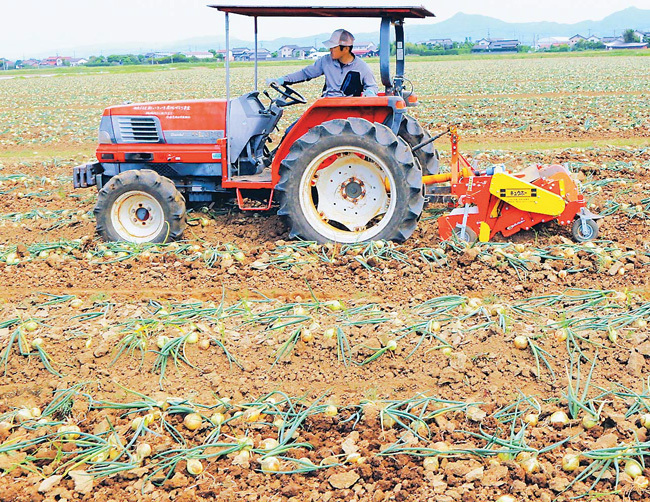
(140, 206)
(413, 133)
(333, 184)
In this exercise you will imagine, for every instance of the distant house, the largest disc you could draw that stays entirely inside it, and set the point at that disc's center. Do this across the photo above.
(78, 61)
(548, 42)
(619, 44)
(246, 54)
(609, 40)
(286, 51)
(199, 55)
(29, 63)
(55, 61)
(575, 39)
(444, 43)
(5, 64)
(643, 36)
(365, 46)
(594, 39)
(496, 45)
(303, 52)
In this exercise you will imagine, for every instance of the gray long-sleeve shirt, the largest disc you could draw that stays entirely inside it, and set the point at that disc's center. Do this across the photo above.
(335, 73)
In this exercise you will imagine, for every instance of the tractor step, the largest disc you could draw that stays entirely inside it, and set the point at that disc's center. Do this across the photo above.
(263, 177)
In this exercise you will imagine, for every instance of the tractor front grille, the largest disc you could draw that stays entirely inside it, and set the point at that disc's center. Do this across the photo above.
(139, 129)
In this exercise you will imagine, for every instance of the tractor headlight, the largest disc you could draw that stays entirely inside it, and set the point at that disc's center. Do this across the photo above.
(104, 137)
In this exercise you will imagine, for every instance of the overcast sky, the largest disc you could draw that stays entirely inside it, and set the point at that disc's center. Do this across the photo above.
(31, 27)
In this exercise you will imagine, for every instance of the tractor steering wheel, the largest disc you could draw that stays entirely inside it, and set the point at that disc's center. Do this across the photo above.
(292, 96)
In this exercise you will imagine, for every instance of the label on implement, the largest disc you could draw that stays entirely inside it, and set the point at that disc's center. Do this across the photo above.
(525, 196)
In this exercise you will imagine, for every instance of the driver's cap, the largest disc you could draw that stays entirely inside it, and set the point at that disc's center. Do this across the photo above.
(339, 37)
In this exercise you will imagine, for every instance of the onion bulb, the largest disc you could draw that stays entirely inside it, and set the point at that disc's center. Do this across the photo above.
(641, 482)
(161, 341)
(245, 443)
(270, 464)
(633, 469)
(69, 432)
(143, 451)
(531, 419)
(391, 345)
(331, 410)
(560, 335)
(306, 335)
(506, 498)
(645, 420)
(23, 415)
(589, 421)
(252, 415)
(278, 423)
(333, 305)
(570, 462)
(75, 303)
(269, 444)
(192, 337)
(521, 342)
(299, 310)
(329, 333)
(30, 326)
(433, 326)
(431, 463)
(218, 418)
(192, 421)
(204, 344)
(559, 419)
(194, 466)
(530, 465)
(387, 420)
(354, 458)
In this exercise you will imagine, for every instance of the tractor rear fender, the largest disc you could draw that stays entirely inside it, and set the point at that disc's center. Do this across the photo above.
(386, 110)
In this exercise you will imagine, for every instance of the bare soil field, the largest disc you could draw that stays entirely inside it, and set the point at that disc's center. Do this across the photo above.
(240, 365)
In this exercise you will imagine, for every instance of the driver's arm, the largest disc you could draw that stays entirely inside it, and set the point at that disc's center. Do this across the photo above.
(307, 73)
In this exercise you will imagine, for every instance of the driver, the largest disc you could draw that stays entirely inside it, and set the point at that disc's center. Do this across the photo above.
(345, 74)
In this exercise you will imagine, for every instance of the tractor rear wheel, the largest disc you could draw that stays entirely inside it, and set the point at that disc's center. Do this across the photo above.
(140, 206)
(413, 133)
(350, 181)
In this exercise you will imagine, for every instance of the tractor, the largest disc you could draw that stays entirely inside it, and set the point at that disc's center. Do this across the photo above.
(350, 169)
(327, 174)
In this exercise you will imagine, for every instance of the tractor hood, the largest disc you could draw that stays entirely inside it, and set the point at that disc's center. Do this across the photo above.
(191, 121)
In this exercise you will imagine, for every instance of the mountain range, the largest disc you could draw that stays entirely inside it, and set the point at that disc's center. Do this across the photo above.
(459, 28)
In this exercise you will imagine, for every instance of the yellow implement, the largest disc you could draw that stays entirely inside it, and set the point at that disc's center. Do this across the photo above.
(525, 196)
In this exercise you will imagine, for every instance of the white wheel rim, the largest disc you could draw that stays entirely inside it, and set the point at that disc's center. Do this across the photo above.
(351, 194)
(137, 216)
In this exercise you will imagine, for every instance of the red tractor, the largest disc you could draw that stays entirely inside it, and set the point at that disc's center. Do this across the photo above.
(351, 169)
(344, 172)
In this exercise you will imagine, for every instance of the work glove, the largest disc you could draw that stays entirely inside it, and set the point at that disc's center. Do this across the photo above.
(278, 80)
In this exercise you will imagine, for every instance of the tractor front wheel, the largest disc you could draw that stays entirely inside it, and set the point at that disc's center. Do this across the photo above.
(585, 233)
(350, 181)
(140, 206)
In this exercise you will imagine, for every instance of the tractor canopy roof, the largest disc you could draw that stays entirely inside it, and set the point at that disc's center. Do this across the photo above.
(329, 11)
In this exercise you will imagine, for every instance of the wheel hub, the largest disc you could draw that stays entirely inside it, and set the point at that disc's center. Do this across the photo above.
(137, 216)
(142, 214)
(353, 189)
(351, 192)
